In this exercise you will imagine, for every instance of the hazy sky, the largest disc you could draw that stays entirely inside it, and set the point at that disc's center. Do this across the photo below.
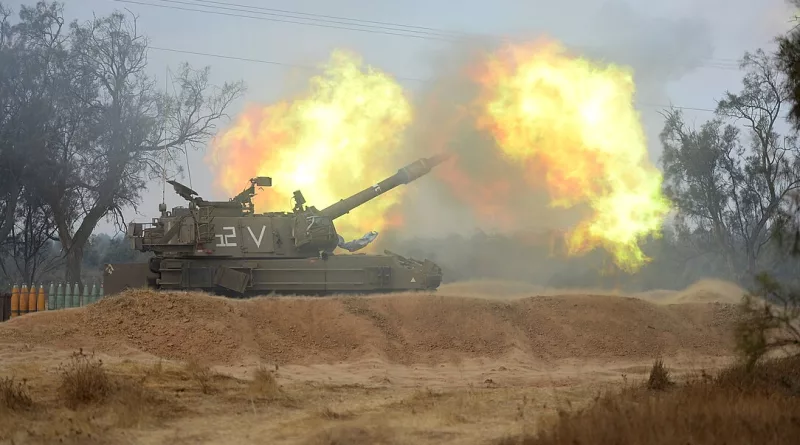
(683, 53)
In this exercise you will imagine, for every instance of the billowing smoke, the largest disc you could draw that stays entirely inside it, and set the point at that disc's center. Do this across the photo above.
(486, 193)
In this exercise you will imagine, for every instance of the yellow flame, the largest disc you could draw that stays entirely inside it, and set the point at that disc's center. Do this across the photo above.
(574, 123)
(330, 143)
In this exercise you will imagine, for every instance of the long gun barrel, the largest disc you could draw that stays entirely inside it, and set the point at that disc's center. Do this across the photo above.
(405, 175)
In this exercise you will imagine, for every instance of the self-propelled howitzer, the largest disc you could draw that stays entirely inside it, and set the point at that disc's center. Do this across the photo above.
(224, 247)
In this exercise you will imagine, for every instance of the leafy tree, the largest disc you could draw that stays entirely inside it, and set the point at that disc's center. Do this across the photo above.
(788, 58)
(771, 321)
(28, 250)
(26, 225)
(102, 249)
(23, 107)
(108, 129)
(10, 187)
(729, 190)
(771, 311)
(772, 166)
(700, 176)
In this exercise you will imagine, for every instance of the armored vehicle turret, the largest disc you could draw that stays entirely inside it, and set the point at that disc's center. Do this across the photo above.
(225, 247)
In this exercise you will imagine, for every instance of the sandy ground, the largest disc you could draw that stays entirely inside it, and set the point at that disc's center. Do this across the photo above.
(470, 364)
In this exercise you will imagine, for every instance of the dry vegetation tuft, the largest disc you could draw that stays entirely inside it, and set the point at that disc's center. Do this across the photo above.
(156, 370)
(83, 380)
(659, 379)
(740, 406)
(14, 396)
(770, 322)
(354, 435)
(781, 376)
(265, 383)
(331, 414)
(755, 402)
(132, 403)
(89, 401)
(202, 375)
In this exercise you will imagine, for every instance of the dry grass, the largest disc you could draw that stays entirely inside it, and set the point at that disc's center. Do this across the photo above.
(659, 379)
(85, 404)
(452, 408)
(779, 377)
(86, 383)
(133, 404)
(202, 375)
(14, 396)
(354, 435)
(329, 413)
(83, 380)
(265, 383)
(156, 370)
(736, 407)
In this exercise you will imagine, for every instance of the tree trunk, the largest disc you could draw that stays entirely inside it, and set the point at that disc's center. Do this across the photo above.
(748, 277)
(734, 273)
(10, 212)
(752, 263)
(74, 262)
(74, 244)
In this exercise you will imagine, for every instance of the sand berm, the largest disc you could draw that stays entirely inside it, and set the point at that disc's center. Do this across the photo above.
(401, 328)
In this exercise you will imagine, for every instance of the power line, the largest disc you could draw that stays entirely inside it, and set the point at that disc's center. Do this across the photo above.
(436, 31)
(318, 17)
(400, 25)
(374, 31)
(369, 26)
(407, 78)
(266, 62)
(440, 31)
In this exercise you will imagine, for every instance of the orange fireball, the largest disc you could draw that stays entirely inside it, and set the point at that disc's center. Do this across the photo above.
(573, 123)
(334, 141)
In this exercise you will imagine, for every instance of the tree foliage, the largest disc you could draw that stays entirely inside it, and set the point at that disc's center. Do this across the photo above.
(730, 178)
(84, 126)
(29, 247)
(771, 312)
(788, 58)
(771, 321)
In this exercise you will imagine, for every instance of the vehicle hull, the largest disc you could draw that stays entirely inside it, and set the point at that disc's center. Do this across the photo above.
(236, 277)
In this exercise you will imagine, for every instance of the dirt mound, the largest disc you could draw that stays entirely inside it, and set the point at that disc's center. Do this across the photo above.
(711, 290)
(704, 291)
(401, 328)
(491, 289)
